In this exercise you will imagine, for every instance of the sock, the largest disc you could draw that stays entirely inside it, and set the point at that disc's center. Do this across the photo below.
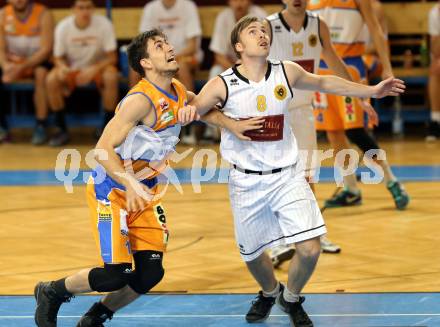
(108, 115)
(99, 308)
(350, 183)
(60, 120)
(60, 287)
(435, 116)
(290, 296)
(388, 174)
(42, 122)
(274, 292)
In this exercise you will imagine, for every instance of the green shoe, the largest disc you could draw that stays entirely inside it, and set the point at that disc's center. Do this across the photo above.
(401, 198)
(345, 198)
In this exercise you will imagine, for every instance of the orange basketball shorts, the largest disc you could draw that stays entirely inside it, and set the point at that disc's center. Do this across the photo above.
(118, 233)
(334, 112)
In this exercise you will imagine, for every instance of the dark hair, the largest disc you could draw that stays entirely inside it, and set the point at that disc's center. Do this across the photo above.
(240, 26)
(137, 49)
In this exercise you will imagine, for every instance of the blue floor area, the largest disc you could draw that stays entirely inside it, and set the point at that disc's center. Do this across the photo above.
(204, 176)
(326, 310)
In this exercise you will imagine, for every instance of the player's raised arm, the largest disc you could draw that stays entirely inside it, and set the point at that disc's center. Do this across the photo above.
(212, 93)
(301, 79)
(133, 109)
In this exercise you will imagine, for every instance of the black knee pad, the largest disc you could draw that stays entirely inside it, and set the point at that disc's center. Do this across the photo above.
(110, 278)
(148, 273)
(362, 139)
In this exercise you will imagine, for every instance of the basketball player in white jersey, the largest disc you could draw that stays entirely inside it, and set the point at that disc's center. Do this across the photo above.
(302, 37)
(271, 200)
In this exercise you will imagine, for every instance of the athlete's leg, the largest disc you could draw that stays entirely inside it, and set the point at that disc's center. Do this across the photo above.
(55, 83)
(109, 93)
(41, 107)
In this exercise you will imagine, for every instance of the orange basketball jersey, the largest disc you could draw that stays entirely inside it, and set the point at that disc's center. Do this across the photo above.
(162, 136)
(345, 22)
(22, 36)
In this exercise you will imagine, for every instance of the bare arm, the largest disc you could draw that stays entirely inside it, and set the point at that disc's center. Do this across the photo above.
(190, 49)
(223, 60)
(134, 108)
(379, 13)
(212, 93)
(46, 42)
(2, 41)
(111, 58)
(301, 79)
(333, 61)
(377, 34)
(435, 45)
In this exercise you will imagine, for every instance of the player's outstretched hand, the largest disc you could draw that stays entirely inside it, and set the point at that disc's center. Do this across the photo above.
(187, 114)
(239, 127)
(137, 196)
(389, 87)
(371, 113)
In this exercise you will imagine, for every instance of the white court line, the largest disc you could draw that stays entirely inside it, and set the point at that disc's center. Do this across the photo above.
(242, 315)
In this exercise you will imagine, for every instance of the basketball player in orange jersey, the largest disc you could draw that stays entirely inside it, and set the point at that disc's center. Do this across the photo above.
(342, 117)
(272, 202)
(26, 39)
(128, 219)
(302, 37)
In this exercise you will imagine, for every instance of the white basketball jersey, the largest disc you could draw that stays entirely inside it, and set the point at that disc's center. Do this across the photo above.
(245, 99)
(303, 47)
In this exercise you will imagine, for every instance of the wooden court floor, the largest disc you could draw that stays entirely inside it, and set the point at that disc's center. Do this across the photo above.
(45, 233)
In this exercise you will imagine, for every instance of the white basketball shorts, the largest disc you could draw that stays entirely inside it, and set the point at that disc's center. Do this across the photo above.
(302, 122)
(274, 209)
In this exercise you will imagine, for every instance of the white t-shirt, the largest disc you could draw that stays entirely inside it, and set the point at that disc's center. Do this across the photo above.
(434, 21)
(179, 23)
(224, 24)
(84, 47)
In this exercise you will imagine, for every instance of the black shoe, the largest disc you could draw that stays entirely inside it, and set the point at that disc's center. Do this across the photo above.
(345, 198)
(261, 307)
(96, 316)
(48, 304)
(298, 317)
(433, 132)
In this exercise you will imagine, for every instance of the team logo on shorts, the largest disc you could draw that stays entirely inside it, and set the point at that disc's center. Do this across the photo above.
(104, 212)
(350, 114)
(280, 92)
(313, 40)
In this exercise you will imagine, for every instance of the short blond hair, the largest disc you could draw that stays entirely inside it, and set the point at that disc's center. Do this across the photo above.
(239, 27)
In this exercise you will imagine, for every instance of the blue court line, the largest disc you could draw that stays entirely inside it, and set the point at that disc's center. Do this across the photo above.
(194, 310)
(203, 176)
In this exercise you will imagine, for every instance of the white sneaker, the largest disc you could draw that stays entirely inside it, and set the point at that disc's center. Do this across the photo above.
(328, 247)
(188, 139)
(280, 254)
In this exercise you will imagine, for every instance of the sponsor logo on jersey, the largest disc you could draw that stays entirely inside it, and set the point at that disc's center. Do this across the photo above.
(233, 81)
(277, 29)
(280, 92)
(313, 40)
(163, 105)
(167, 117)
